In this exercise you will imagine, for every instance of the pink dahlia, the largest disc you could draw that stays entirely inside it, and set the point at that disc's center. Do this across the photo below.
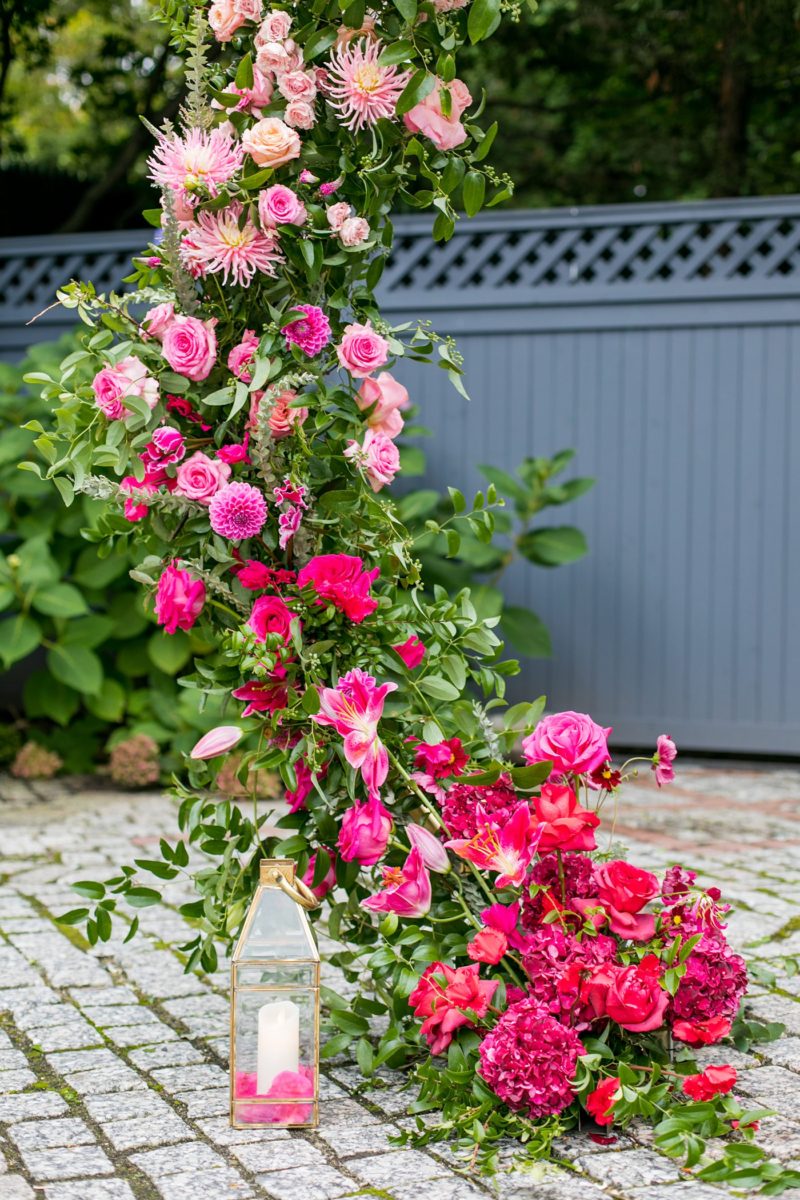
(466, 807)
(198, 159)
(311, 332)
(714, 982)
(238, 511)
(529, 1060)
(218, 243)
(358, 88)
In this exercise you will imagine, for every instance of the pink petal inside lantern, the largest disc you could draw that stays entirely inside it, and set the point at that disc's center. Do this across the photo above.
(288, 1085)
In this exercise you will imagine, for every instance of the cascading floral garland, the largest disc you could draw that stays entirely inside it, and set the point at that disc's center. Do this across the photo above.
(250, 419)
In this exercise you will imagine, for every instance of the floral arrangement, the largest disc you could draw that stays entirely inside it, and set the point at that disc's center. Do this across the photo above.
(239, 407)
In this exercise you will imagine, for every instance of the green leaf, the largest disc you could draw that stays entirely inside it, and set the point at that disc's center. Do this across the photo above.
(59, 600)
(484, 17)
(397, 52)
(244, 72)
(407, 9)
(335, 1045)
(142, 897)
(90, 889)
(45, 696)
(19, 636)
(526, 632)
(109, 703)
(553, 546)
(420, 85)
(169, 651)
(76, 666)
(486, 145)
(73, 917)
(364, 1056)
(532, 776)
(473, 191)
(319, 41)
(439, 688)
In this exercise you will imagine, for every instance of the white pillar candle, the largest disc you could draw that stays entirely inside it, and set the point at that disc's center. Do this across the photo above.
(278, 1042)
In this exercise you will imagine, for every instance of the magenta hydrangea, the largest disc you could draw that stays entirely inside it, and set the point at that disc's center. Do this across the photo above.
(238, 511)
(714, 983)
(311, 332)
(578, 884)
(548, 953)
(529, 1060)
(461, 803)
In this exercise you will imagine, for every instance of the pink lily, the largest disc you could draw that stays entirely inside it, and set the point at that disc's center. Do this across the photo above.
(508, 850)
(354, 708)
(216, 741)
(406, 889)
(433, 852)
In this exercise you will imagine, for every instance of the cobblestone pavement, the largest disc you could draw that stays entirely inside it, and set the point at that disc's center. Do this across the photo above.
(113, 1063)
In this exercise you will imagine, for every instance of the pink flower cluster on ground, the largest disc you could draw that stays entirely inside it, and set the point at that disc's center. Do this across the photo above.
(529, 1059)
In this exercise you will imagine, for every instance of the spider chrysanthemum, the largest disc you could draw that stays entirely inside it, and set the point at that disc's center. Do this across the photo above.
(198, 159)
(359, 88)
(221, 243)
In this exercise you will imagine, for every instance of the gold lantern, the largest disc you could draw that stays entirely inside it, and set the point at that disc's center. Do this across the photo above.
(275, 1006)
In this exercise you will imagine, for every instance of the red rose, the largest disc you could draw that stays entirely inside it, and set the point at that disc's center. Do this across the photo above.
(268, 615)
(714, 1081)
(635, 998)
(600, 1103)
(702, 1033)
(442, 996)
(567, 826)
(488, 946)
(623, 890)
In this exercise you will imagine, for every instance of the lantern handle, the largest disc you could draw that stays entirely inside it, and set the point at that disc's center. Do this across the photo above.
(299, 892)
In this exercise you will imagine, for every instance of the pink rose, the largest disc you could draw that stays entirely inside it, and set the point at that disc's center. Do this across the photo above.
(635, 999)
(224, 18)
(129, 377)
(179, 599)
(337, 214)
(274, 28)
(271, 143)
(279, 205)
(166, 447)
(365, 831)
(297, 85)
(329, 881)
(249, 9)
(571, 741)
(158, 318)
(190, 347)
(362, 350)
(385, 396)
(201, 477)
(342, 580)
(378, 456)
(279, 57)
(354, 231)
(283, 419)
(268, 615)
(566, 825)
(427, 118)
(242, 355)
(300, 114)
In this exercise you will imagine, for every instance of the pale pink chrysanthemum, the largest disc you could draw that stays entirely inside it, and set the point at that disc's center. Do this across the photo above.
(218, 242)
(311, 332)
(238, 511)
(199, 158)
(358, 88)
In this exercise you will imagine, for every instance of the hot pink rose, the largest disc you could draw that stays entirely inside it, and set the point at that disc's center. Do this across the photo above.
(362, 350)
(300, 114)
(134, 510)
(242, 355)
(635, 998)
(377, 456)
(268, 615)
(190, 347)
(622, 891)
(112, 385)
(445, 996)
(365, 831)
(279, 205)
(179, 599)
(201, 477)
(427, 118)
(158, 318)
(342, 580)
(386, 397)
(570, 740)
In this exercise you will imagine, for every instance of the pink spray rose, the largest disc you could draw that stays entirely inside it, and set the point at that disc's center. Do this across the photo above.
(297, 85)
(342, 580)
(337, 214)
(190, 347)
(362, 350)
(129, 377)
(300, 114)
(279, 205)
(201, 477)
(377, 456)
(242, 355)
(365, 831)
(268, 615)
(274, 28)
(427, 117)
(179, 599)
(406, 890)
(386, 397)
(158, 318)
(224, 18)
(571, 741)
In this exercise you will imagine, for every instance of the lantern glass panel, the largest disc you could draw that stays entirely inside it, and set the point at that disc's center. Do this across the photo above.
(274, 1060)
(276, 929)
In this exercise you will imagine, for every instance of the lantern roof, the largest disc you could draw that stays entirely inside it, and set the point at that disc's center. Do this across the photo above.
(276, 929)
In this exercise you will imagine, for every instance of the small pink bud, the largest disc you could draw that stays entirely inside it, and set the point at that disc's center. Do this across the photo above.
(433, 852)
(217, 741)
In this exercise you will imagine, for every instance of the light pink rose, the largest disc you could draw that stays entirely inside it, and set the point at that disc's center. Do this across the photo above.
(129, 377)
(362, 350)
(300, 114)
(337, 214)
(250, 10)
(158, 318)
(353, 231)
(190, 347)
(427, 118)
(274, 28)
(279, 57)
(283, 419)
(297, 85)
(242, 355)
(378, 456)
(201, 477)
(279, 205)
(224, 18)
(271, 143)
(389, 397)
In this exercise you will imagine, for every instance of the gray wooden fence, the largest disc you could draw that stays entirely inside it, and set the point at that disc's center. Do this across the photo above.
(663, 342)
